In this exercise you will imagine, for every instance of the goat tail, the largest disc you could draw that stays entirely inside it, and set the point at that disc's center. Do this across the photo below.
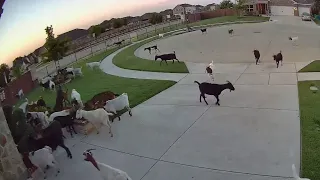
(174, 52)
(295, 175)
(197, 82)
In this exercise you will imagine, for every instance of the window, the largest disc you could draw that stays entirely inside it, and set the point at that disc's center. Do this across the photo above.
(250, 8)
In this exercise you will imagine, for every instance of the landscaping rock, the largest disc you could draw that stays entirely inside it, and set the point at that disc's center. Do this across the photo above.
(314, 88)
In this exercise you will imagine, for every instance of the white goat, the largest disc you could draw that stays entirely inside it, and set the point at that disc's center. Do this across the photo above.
(119, 103)
(295, 175)
(209, 70)
(96, 117)
(161, 35)
(44, 120)
(46, 79)
(294, 40)
(106, 172)
(24, 105)
(20, 94)
(76, 96)
(43, 158)
(93, 65)
(60, 113)
(78, 71)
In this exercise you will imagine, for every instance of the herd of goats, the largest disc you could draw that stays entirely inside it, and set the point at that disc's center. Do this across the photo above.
(48, 135)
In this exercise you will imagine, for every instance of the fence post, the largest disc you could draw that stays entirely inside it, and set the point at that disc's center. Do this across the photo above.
(147, 32)
(47, 71)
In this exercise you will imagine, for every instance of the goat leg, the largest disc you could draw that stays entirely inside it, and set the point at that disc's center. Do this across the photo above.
(178, 60)
(67, 150)
(204, 98)
(73, 129)
(166, 62)
(70, 131)
(200, 97)
(218, 100)
(129, 109)
(173, 61)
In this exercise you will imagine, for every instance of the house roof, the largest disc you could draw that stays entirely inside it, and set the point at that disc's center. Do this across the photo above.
(39, 51)
(73, 34)
(304, 1)
(20, 60)
(282, 3)
(166, 12)
(184, 5)
(212, 4)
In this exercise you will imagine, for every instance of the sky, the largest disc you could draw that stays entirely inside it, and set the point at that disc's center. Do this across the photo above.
(23, 22)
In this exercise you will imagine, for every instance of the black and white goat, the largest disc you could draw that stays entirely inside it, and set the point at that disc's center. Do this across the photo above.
(230, 31)
(294, 40)
(203, 30)
(106, 172)
(256, 54)
(210, 71)
(213, 89)
(20, 94)
(48, 85)
(167, 57)
(278, 58)
(155, 47)
(67, 122)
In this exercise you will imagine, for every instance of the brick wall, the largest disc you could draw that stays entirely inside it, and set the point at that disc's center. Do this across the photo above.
(11, 164)
(25, 83)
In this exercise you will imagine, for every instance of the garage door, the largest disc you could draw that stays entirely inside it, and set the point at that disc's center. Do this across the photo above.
(282, 10)
(303, 9)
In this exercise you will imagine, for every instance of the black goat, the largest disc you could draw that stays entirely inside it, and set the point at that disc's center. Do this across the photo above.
(257, 56)
(119, 43)
(204, 30)
(167, 57)
(67, 122)
(230, 31)
(41, 102)
(278, 58)
(51, 136)
(213, 89)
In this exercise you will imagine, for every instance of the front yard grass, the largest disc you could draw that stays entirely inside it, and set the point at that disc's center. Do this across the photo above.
(96, 81)
(310, 129)
(312, 67)
(127, 60)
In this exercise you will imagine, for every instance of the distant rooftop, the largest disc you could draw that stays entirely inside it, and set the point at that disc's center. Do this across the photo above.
(1, 5)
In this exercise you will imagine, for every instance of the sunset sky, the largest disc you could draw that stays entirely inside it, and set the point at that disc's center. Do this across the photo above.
(23, 21)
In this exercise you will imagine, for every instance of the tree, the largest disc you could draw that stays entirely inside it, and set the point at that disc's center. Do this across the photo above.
(156, 18)
(56, 48)
(240, 5)
(226, 4)
(117, 23)
(17, 71)
(315, 8)
(97, 30)
(4, 74)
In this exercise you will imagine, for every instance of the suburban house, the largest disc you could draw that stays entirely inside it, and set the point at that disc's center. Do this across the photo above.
(183, 9)
(279, 7)
(199, 8)
(21, 62)
(1, 5)
(211, 7)
(76, 37)
(39, 52)
(167, 15)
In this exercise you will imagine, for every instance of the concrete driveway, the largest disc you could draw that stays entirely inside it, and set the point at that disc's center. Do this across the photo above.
(254, 134)
(269, 38)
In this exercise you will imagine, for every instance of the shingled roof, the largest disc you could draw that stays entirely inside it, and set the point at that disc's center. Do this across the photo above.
(1, 5)
(74, 34)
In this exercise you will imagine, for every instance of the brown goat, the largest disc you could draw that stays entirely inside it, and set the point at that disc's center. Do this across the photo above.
(99, 100)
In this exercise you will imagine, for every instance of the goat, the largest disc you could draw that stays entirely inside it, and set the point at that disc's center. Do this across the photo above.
(24, 105)
(92, 65)
(295, 175)
(41, 116)
(51, 136)
(20, 94)
(41, 102)
(95, 117)
(278, 58)
(294, 40)
(213, 89)
(43, 158)
(119, 43)
(161, 35)
(230, 31)
(106, 172)
(60, 99)
(76, 96)
(256, 55)
(66, 122)
(167, 57)
(155, 47)
(46, 79)
(204, 30)
(48, 85)
(78, 71)
(119, 103)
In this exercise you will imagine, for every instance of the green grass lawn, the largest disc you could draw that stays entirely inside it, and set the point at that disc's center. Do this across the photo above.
(312, 67)
(96, 81)
(127, 60)
(310, 129)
